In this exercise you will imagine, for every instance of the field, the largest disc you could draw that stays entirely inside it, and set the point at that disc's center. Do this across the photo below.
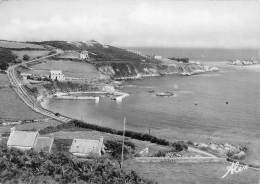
(180, 173)
(70, 55)
(11, 106)
(9, 44)
(31, 53)
(69, 69)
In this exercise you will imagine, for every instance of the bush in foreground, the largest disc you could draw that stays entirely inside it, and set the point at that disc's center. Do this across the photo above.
(31, 167)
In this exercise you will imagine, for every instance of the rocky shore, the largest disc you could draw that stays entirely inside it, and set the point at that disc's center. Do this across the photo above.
(244, 62)
(128, 71)
(223, 150)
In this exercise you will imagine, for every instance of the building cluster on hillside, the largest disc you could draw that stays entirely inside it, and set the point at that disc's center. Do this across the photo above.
(29, 140)
(157, 57)
(137, 53)
(54, 75)
(34, 77)
(84, 55)
(57, 75)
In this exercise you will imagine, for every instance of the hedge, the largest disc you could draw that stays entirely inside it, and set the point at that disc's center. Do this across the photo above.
(131, 134)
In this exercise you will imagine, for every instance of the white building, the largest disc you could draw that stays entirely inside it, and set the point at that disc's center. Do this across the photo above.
(84, 55)
(25, 75)
(24, 140)
(57, 75)
(157, 57)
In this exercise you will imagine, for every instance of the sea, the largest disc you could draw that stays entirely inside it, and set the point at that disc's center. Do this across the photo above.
(220, 107)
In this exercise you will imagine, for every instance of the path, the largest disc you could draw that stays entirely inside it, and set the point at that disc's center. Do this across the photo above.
(32, 103)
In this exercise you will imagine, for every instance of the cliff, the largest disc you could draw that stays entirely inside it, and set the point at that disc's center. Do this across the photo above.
(135, 70)
(130, 70)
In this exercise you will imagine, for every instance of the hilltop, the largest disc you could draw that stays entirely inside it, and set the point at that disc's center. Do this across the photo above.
(98, 51)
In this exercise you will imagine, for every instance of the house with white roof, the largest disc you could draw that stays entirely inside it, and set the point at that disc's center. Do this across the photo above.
(157, 57)
(85, 147)
(24, 140)
(57, 75)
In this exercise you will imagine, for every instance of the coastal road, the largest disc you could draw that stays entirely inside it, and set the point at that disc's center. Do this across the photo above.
(22, 93)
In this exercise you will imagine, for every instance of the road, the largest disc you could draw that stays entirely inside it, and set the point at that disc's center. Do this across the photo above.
(22, 93)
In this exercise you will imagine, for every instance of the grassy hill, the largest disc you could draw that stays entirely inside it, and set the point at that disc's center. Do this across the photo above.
(100, 52)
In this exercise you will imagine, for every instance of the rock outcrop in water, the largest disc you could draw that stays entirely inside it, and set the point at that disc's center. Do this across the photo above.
(244, 62)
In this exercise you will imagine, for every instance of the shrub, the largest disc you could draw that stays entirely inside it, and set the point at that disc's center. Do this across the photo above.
(115, 149)
(4, 66)
(26, 57)
(190, 143)
(31, 167)
(180, 146)
(7, 56)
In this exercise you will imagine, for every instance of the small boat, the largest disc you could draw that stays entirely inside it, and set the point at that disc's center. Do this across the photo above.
(151, 91)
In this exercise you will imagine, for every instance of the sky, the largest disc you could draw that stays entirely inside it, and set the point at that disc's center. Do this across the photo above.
(134, 23)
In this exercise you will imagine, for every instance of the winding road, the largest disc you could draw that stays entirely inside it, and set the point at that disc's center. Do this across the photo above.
(22, 93)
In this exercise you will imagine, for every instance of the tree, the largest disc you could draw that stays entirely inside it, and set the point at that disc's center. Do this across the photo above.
(34, 90)
(4, 66)
(26, 57)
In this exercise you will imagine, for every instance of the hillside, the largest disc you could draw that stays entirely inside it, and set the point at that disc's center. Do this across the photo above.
(98, 51)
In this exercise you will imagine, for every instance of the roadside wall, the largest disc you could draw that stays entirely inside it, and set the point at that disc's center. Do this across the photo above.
(181, 160)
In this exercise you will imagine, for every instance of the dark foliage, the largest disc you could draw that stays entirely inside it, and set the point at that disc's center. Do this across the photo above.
(6, 56)
(179, 146)
(115, 149)
(26, 57)
(4, 66)
(31, 167)
(184, 60)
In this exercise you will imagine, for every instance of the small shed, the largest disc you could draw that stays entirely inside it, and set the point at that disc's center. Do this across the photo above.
(23, 140)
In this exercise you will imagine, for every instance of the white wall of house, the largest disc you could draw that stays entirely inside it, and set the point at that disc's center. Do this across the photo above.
(84, 55)
(158, 57)
(57, 74)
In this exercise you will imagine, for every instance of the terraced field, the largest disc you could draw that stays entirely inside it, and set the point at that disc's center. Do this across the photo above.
(31, 53)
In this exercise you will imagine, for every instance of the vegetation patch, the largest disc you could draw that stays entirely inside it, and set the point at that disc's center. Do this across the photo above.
(31, 167)
(6, 56)
(114, 148)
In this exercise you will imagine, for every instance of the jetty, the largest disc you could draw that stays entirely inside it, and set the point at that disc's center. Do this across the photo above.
(162, 94)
